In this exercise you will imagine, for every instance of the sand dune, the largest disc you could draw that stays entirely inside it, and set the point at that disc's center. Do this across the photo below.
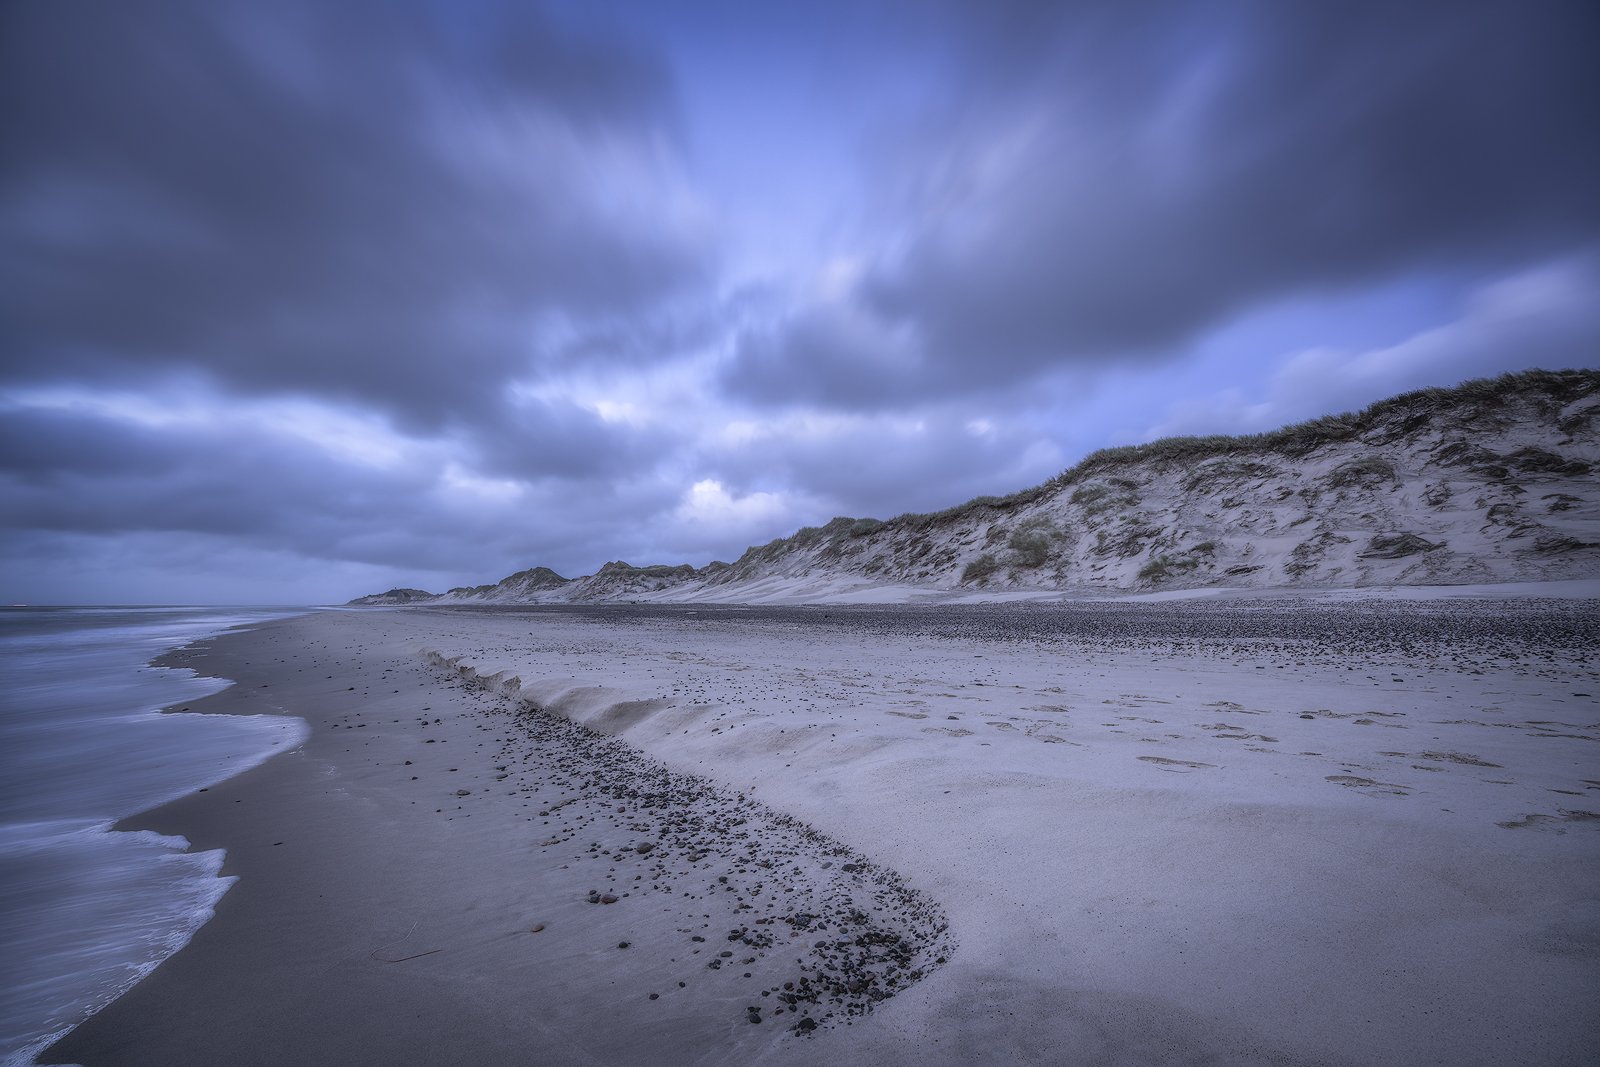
(1489, 482)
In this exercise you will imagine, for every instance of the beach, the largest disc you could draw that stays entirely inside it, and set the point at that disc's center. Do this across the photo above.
(1275, 829)
(85, 912)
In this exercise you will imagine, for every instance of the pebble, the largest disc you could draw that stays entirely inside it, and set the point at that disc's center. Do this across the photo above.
(835, 932)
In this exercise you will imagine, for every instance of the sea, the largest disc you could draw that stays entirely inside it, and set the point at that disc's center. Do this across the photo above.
(86, 911)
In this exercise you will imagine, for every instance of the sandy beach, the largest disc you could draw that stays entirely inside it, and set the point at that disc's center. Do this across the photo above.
(1276, 829)
(638, 534)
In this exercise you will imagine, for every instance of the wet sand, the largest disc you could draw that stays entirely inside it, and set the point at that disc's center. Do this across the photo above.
(438, 877)
(1132, 836)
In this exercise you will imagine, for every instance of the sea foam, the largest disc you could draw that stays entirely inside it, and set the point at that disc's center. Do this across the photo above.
(85, 912)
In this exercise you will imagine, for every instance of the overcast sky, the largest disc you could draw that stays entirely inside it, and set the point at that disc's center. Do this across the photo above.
(300, 301)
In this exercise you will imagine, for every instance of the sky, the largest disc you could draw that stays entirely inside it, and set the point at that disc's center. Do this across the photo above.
(301, 301)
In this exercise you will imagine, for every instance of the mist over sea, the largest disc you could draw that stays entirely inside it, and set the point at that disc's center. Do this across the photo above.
(85, 912)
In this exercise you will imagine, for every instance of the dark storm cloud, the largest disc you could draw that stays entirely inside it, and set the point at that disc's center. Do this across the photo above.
(40, 447)
(70, 471)
(547, 471)
(368, 201)
(556, 439)
(196, 490)
(1105, 183)
(938, 463)
(880, 466)
(425, 292)
(73, 473)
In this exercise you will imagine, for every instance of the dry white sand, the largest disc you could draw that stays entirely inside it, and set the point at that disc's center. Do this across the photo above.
(1333, 849)
(1219, 831)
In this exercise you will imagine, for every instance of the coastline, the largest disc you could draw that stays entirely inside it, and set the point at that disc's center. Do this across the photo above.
(367, 927)
(1108, 907)
(87, 912)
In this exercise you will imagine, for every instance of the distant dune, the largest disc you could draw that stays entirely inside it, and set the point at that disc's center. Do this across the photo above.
(1491, 481)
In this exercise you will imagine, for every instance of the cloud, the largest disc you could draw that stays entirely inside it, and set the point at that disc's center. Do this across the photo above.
(194, 480)
(710, 508)
(1100, 187)
(531, 439)
(378, 203)
(1543, 317)
(829, 354)
(880, 466)
(159, 568)
(423, 293)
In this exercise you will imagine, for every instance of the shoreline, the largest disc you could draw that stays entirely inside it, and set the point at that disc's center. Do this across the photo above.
(88, 911)
(1231, 899)
(671, 960)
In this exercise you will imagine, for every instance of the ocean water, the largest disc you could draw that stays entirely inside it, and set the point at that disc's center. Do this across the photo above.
(86, 912)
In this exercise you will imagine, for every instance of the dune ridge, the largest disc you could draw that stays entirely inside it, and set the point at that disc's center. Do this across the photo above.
(1493, 480)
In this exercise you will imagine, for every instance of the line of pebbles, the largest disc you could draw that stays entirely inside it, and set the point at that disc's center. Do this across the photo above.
(813, 930)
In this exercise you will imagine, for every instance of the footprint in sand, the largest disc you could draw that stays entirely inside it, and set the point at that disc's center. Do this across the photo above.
(1457, 757)
(1039, 730)
(1239, 709)
(1550, 823)
(1236, 733)
(1164, 762)
(1367, 785)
